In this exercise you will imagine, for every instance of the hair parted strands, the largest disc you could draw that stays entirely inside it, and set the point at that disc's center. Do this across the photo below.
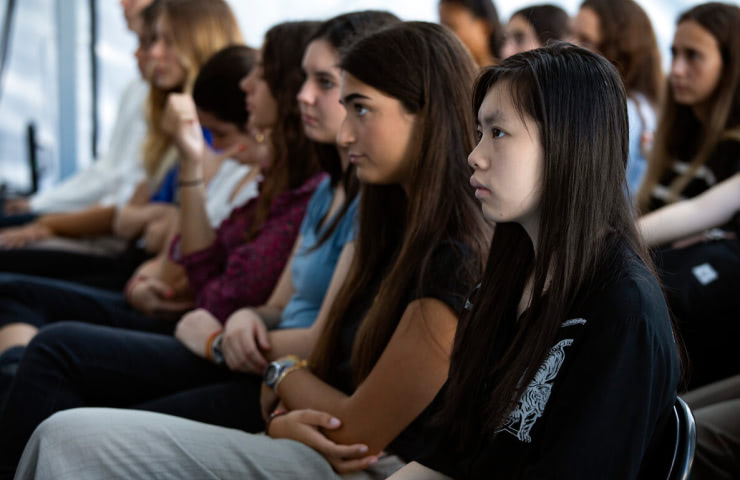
(430, 72)
(679, 130)
(217, 90)
(341, 32)
(550, 22)
(294, 155)
(485, 10)
(628, 41)
(578, 102)
(200, 29)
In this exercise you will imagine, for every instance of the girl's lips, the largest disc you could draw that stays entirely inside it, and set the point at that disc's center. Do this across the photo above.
(308, 119)
(354, 158)
(480, 190)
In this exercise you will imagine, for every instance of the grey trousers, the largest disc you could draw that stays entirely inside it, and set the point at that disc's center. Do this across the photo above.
(103, 443)
(716, 408)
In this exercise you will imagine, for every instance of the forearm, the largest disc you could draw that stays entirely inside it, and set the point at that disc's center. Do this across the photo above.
(292, 341)
(713, 208)
(195, 226)
(92, 221)
(131, 220)
(270, 315)
(408, 375)
(302, 389)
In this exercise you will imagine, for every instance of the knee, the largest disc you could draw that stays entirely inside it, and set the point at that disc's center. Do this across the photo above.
(56, 342)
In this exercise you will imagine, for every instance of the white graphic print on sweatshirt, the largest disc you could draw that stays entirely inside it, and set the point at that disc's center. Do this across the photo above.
(532, 403)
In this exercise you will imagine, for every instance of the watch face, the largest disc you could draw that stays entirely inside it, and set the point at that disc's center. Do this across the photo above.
(271, 374)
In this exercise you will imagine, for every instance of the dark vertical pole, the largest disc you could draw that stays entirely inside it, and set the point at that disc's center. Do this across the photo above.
(94, 75)
(33, 162)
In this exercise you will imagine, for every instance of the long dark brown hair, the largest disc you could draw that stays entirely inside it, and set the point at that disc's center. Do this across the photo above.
(550, 22)
(294, 155)
(485, 10)
(341, 32)
(571, 93)
(628, 41)
(217, 90)
(680, 133)
(430, 72)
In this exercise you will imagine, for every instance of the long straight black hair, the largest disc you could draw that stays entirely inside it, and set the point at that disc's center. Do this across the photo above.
(578, 102)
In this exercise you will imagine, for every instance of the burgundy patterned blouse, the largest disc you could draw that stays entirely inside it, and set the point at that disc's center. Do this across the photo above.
(231, 273)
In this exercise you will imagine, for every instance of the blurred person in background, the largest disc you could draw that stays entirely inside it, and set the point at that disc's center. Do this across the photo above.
(621, 31)
(476, 23)
(534, 27)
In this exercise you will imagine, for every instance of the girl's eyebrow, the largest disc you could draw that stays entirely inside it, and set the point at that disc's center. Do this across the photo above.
(353, 96)
(491, 118)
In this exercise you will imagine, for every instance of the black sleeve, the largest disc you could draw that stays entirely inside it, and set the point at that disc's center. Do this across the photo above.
(447, 279)
(605, 405)
(725, 159)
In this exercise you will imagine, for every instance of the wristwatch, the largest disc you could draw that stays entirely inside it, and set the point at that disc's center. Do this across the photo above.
(278, 369)
(217, 353)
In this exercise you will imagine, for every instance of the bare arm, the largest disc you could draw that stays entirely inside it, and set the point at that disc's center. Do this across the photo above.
(132, 220)
(712, 208)
(300, 341)
(180, 121)
(405, 380)
(95, 220)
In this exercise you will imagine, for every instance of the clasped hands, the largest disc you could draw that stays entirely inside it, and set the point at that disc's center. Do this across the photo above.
(244, 345)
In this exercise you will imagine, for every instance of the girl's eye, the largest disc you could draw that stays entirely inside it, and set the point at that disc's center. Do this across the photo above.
(496, 133)
(326, 84)
(360, 110)
(478, 135)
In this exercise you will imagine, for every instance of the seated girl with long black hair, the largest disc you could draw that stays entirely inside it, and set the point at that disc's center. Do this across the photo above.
(566, 362)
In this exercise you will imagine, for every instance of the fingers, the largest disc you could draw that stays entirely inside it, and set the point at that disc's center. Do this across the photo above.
(354, 465)
(243, 344)
(253, 359)
(174, 305)
(160, 288)
(349, 457)
(262, 336)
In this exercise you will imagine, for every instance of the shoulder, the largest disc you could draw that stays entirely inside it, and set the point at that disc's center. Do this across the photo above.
(320, 196)
(299, 196)
(448, 275)
(631, 304)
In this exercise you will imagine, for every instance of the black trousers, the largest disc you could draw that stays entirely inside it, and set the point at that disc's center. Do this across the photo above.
(41, 301)
(101, 271)
(702, 285)
(75, 364)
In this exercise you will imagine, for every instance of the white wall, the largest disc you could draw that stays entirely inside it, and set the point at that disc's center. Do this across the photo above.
(31, 83)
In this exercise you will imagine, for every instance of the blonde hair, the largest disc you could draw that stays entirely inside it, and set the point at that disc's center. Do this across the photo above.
(200, 28)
